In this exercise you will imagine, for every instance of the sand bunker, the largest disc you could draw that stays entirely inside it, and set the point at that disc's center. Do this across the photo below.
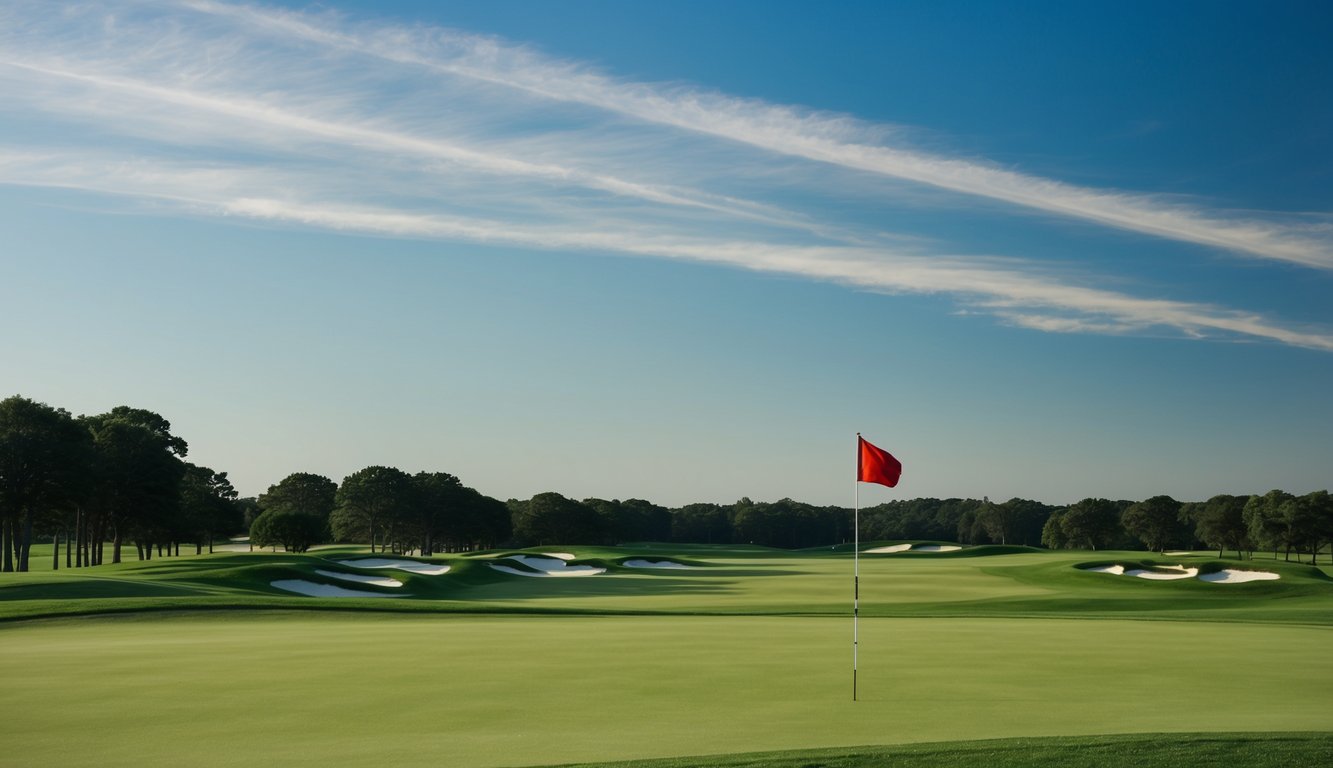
(1232, 576)
(1179, 554)
(889, 549)
(312, 589)
(413, 566)
(379, 581)
(655, 564)
(557, 555)
(546, 566)
(935, 548)
(1118, 570)
(1174, 572)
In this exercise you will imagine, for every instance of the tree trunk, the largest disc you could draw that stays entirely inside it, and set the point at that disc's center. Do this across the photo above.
(178, 550)
(198, 548)
(69, 556)
(115, 545)
(27, 540)
(98, 541)
(95, 541)
(5, 533)
(55, 551)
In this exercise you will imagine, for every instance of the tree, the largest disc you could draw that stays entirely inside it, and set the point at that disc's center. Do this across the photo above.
(1264, 521)
(370, 501)
(549, 518)
(1016, 521)
(1155, 521)
(44, 458)
(138, 469)
(1305, 528)
(1321, 504)
(435, 512)
(295, 531)
(301, 492)
(247, 509)
(1091, 524)
(701, 523)
(633, 519)
(1220, 522)
(1053, 533)
(207, 505)
(486, 522)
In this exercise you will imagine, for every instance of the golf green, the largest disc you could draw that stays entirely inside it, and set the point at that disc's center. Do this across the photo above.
(312, 689)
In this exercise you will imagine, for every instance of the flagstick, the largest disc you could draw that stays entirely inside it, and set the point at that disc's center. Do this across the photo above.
(856, 560)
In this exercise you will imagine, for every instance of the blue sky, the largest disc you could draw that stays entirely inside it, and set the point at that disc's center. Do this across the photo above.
(683, 251)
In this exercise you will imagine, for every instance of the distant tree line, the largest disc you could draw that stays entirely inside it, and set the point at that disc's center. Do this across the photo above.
(1276, 521)
(384, 507)
(121, 477)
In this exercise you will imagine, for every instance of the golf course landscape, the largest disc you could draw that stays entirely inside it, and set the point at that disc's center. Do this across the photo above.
(668, 654)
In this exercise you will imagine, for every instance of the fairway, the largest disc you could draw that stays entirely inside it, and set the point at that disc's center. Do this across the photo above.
(305, 688)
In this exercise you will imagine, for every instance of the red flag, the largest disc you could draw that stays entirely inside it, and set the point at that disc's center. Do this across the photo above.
(875, 465)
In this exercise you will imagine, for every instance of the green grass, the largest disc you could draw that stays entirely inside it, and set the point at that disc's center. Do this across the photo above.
(758, 581)
(305, 688)
(1254, 750)
(745, 656)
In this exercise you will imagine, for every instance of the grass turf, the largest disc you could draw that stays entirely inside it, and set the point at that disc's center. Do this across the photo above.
(749, 653)
(306, 689)
(748, 581)
(1254, 750)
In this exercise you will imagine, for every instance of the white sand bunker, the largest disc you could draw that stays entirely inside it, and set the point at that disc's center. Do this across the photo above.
(1232, 576)
(1172, 572)
(303, 587)
(887, 550)
(547, 566)
(1184, 553)
(935, 548)
(556, 555)
(655, 564)
(414, 566)
(379, 581)
(1118, 570)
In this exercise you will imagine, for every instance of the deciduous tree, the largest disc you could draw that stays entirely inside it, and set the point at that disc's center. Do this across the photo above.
(369, 503)
(1155, 521)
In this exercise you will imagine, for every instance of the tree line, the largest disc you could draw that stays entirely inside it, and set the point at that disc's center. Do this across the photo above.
(94, 482)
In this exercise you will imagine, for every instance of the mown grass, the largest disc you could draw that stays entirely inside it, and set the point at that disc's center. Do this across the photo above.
(313, 689)
(1009, 582)
(1173, 750)
(748, 653)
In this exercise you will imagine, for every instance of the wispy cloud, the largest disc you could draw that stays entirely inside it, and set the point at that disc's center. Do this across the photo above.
(834, 139)
(316, 121)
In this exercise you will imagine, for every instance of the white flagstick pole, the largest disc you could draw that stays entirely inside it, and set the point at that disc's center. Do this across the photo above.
(856, 560)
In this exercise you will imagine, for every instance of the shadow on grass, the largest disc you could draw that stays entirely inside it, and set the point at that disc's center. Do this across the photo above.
(1196, 750)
